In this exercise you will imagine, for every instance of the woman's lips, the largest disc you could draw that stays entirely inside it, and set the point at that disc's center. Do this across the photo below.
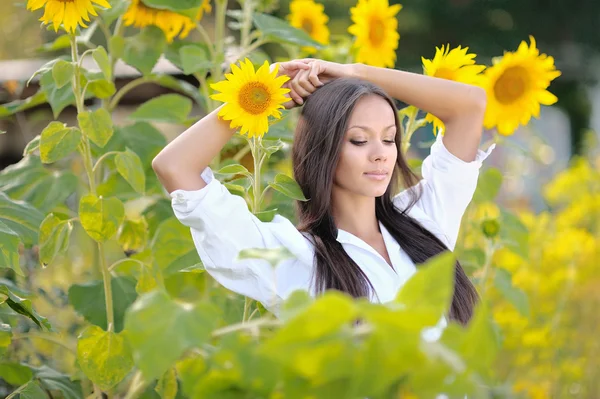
(376, 176)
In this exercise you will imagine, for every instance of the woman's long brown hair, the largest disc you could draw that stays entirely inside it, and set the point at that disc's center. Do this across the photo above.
(315, 153)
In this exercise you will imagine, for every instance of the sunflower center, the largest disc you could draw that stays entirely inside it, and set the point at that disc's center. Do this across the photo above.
(307, 25)
(445, 73)
(511, 85)
(254, 98)
(376, 31)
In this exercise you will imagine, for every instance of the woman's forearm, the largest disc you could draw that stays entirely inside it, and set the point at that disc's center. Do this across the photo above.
(443, 98)
(179, 164)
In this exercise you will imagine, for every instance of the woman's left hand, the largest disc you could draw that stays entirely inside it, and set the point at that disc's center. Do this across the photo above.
(320, 72)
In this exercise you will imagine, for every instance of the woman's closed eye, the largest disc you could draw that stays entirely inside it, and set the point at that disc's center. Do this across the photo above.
(389, 142)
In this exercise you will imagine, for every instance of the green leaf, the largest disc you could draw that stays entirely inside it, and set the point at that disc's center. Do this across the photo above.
(157, 345)
(9, 249)
(31, 390)
(143, 138)
(110, 15)
(288, 187)
(117, 46)
(234, 170)
(272, 146)
(133, 235)
(30, 181)
(105, 357)
(54, 238)
(21, 218)
(47, 67)
(488, 185)
(96, 125)
(195, 58)
(58, 141)
(143, 50)
(279, 30)
(13, 107)
(179, 5)
(101, 57)
(311, 344)
(431, 288)
(54, 381)
(61, 42)
(478, 346)
(181, 86)
(130, 167)
(15, 373)
(101, 88)
(271, 255)
(173, 248)
(172, 108)
(5, 340)
(167, 385)
(516, 296)
(100, 217)
(62, 72)
(58, 98)
(23, 307)
(89, 301)
(235, 189)
(514, 234)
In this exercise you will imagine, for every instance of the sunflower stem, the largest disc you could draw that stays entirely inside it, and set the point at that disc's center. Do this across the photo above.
(207, 39)
(256, 148)
(125, 89)
(248, 8)
(220, 16)
(410, 128)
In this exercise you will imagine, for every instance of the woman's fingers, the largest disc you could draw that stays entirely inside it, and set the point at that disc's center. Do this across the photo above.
(313, 74)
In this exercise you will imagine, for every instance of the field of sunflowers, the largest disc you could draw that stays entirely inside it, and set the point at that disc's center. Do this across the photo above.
(102, 292)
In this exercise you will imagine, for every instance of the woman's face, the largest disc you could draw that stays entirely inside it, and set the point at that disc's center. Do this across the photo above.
(368, 154)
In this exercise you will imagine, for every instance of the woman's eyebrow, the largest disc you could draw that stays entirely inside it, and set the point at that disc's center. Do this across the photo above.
(368, 128)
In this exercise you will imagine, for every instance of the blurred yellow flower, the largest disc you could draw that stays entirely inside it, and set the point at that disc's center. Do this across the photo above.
(376, 30)
(251, 97)
(70, 13)
(310, 17)
(516, 86)
(171, 23)
(456, 65)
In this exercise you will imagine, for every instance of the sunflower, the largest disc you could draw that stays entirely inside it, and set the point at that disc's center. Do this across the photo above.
(375, 26)
(456, 65)
(310, 17)
(516, 86)
(171, 23)
(70, 13)
(251, 97)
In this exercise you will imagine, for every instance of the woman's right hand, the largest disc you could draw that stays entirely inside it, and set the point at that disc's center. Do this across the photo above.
(290, 69)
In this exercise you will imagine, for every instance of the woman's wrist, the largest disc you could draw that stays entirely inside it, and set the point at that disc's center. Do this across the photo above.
(356, 70)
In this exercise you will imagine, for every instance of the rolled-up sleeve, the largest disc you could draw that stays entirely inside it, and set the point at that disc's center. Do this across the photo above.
(448, 186)
(222, 226)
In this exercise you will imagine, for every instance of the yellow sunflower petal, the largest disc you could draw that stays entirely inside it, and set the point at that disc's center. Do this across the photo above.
(375, 30)
(456, 65)
(516, 87)
(250, 97)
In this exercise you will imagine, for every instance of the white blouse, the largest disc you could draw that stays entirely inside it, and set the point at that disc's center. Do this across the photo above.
(222, 225)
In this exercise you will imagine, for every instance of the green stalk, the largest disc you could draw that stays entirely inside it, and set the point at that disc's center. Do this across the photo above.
(490, 248)
(87, 162)
(256, 149)
(248, 8)
(409, 129)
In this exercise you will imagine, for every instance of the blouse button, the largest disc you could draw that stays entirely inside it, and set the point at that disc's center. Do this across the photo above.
(179, 198)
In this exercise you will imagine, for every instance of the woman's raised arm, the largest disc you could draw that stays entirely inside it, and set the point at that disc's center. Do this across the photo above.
(180, 163)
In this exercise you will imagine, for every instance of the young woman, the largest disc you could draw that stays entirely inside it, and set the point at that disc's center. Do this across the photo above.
(356, 233)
